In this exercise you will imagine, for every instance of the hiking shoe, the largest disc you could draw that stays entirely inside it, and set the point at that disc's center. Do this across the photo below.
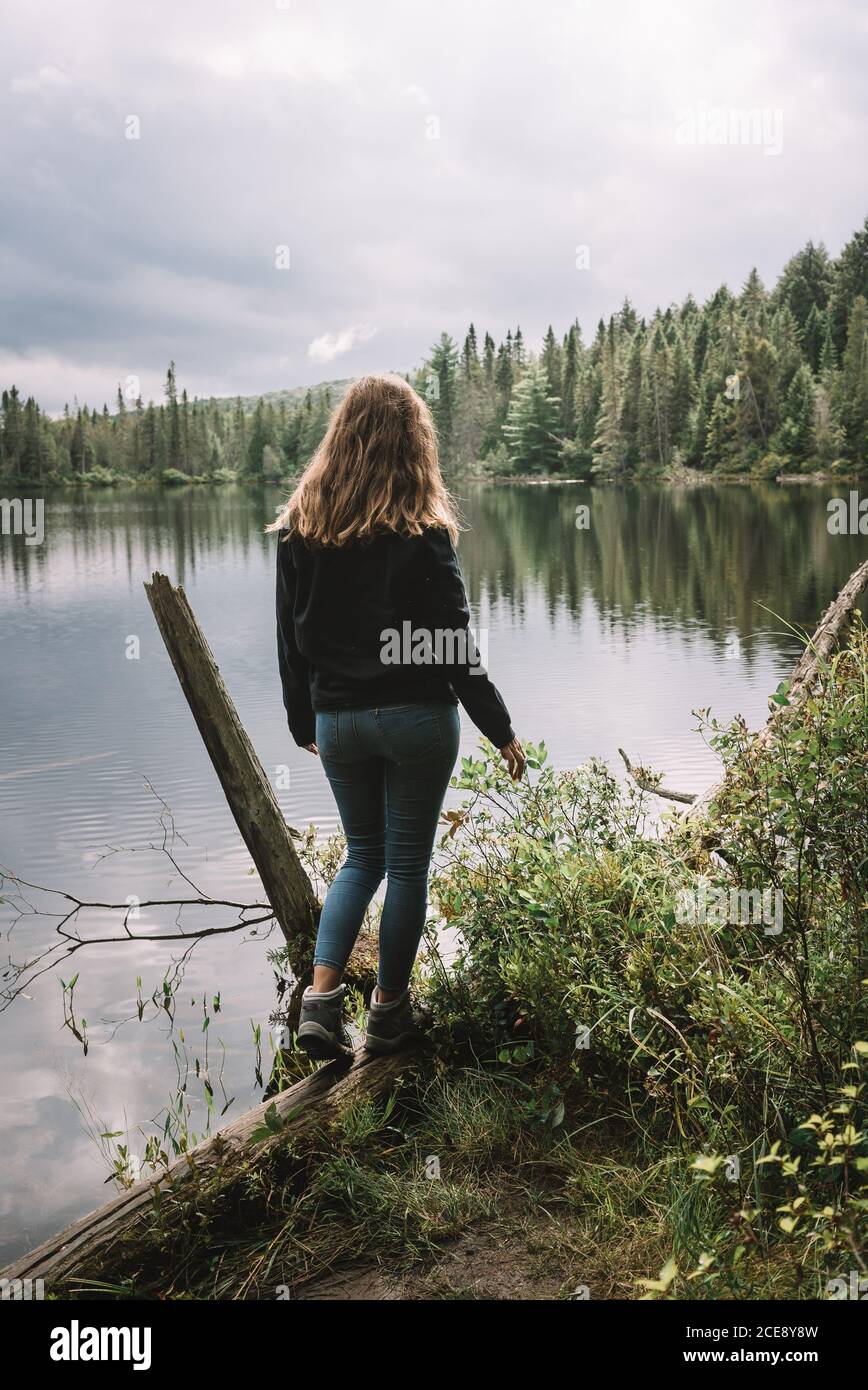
(322, 1033)
(396, 1025)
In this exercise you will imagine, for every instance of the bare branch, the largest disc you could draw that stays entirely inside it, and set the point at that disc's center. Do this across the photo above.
(650, 782)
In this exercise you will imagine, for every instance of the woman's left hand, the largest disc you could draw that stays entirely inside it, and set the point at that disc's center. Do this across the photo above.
(312, 748)
(514, 756)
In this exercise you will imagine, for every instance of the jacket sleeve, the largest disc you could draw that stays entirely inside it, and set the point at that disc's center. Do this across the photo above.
(449, 614)
(294, 675)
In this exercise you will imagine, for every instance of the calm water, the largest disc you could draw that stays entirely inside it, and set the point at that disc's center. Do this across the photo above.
(597, 638)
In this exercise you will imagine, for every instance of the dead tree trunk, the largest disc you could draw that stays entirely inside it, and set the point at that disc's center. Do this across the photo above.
(303, 1107)
(247, 789)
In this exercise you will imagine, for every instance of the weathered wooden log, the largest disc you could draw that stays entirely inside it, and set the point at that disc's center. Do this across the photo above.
(309, 1104)
(246, 787)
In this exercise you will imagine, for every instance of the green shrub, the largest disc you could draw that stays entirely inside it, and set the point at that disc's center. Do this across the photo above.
(572, 957)
(102, 477)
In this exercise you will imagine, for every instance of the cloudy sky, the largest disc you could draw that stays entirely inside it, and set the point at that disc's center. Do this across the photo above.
(278, 193)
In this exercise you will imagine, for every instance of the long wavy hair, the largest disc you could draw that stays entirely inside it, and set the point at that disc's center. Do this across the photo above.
(376, 470)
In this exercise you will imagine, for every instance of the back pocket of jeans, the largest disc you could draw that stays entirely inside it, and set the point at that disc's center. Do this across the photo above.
(412, 733)
(327, 740)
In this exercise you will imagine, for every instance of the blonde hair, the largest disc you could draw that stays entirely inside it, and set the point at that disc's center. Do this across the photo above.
(376, 470)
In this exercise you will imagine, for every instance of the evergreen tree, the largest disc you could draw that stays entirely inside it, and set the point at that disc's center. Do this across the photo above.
(503, 377)
(682, 395)
(13, 432)
(700, 345)
(469, 354)
(630, 402)
(753, 303)
(175, 448)
(849, 282)
(655, 413)
(628, 319)
(257, 440)
(813, 336)
(795, 433)
(31, 461)
(828, 355)
(443, 364)
(851, 396)
(488, 353)
(606, 450)
(718, 453)
(151, 446)
(531, 429)
(551, 359)
(589, 397)
(788, 344)
(805, 283)
(709, 390)
(569, 381)
(756, 400)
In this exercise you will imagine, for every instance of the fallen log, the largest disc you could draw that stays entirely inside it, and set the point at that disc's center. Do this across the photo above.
(301, 1108)
(816, 654)
(247, 789)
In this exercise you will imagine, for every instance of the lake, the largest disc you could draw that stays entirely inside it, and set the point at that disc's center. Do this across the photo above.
(671, 599)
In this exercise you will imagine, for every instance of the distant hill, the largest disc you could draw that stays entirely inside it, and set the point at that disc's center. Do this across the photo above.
(288, 395)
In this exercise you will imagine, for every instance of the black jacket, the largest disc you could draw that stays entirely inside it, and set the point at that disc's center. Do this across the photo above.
(337, 610)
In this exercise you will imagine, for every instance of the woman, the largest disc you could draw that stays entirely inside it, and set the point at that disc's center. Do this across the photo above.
(374, 646)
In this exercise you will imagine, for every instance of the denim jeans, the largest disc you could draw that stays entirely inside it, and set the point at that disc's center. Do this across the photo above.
(389, 769)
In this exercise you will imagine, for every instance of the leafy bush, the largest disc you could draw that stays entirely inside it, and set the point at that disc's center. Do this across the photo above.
(794, 1220)
(772, 464)
(573, 958)
(102, 477)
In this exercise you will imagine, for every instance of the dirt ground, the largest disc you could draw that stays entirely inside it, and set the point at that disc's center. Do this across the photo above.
(487, 1264)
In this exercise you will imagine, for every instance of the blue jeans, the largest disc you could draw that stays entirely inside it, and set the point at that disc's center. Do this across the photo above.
(389, 769)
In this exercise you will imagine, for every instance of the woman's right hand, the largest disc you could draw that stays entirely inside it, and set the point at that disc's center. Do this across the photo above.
(513, 756)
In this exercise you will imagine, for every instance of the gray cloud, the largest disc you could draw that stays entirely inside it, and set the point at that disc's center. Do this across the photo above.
(308, 127)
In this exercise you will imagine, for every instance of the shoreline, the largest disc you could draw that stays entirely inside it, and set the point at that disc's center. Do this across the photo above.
(682, 479)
